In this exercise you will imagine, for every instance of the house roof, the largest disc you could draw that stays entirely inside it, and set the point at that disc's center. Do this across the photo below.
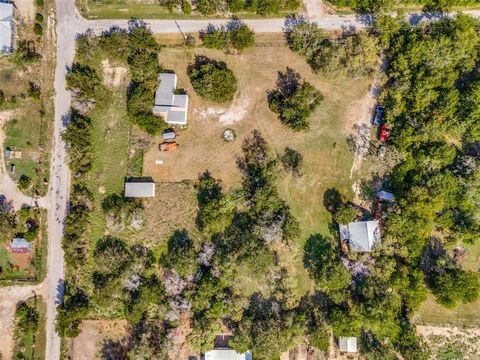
(20, 243)
(386, 196)
(347, 344)
(139, 189)
(6, 17)
(173, 107)
(363, 235)
(226, 354)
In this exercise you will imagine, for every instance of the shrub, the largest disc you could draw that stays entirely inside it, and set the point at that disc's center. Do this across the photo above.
(213, 81)
(38, 29)
(39, 18)
(292, 161)
(238, 37)
(186, 7)
(34, 91)
(84, 80)
(345, 214)
(24, 182)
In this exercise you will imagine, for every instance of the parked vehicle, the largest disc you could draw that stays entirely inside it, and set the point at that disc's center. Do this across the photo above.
(169, 134)
(377, 120)
(168, 146)
(384, 133)
(381, 151)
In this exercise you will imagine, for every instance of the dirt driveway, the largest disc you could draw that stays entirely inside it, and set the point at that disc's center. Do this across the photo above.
(10, 296)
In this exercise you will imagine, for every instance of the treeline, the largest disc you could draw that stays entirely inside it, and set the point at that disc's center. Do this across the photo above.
(387, 5)
(431, 101)
(352, 55)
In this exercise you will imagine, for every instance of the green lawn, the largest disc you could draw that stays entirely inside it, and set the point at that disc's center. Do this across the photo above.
(432, 313)
(111, 139)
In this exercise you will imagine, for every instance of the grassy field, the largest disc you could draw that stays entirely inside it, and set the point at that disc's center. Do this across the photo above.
(30, 345)
(328, 159)
(124, 9)
(29, 129)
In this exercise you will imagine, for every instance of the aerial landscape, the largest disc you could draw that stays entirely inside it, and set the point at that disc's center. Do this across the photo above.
(240, 179)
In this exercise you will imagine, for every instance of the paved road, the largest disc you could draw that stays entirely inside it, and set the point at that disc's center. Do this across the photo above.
(69, 25)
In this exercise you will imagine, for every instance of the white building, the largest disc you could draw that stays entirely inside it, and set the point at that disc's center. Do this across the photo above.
(226, 354)
(172, 107)
(139, 189)
(347, 344)
(363, 235)
(7, 27)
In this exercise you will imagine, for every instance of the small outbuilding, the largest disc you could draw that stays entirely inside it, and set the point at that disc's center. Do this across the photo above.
(347, 344)
(139, 189)
(173, 107)
(226, 354)
(363, 235)
(20, 246)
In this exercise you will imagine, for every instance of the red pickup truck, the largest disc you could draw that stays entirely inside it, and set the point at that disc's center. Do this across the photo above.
(384, 133)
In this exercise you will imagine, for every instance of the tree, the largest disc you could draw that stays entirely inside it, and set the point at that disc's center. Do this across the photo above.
(292, 161)
(213, 81)
(73, 309)
(181, 255)
(84, 81)
(242, 37)
(455, 285)
(237, 36)
(267, 329)
(294, 100)
(324, 265)
(78, 138)
(345, 214)
(27, 317)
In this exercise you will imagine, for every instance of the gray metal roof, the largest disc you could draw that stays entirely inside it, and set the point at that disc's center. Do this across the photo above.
(347, 344)
(6, 31)
(20, 243)
(172, 107)
(226, 354)
(139, 189)
(363, 235)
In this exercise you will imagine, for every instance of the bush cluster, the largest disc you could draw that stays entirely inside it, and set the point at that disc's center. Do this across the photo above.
(294, 100)
(212, 80)
(237, 36)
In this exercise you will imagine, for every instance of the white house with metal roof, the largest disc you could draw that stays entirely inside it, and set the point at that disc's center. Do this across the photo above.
(172, 107)
(347, 344)
(226, 354)
(139, 189)
(7, 27)
(363, 235)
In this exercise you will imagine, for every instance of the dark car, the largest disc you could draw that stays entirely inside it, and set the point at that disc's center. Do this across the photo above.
(377, 121)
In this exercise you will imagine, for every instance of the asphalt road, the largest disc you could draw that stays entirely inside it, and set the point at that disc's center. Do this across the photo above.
(69, 25)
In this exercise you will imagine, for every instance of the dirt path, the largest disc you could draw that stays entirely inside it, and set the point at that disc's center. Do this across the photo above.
(10, 296)
(25, 8)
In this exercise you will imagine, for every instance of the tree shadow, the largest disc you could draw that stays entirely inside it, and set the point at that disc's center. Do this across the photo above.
(203, 60)
(332, 199)
(112, 350)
